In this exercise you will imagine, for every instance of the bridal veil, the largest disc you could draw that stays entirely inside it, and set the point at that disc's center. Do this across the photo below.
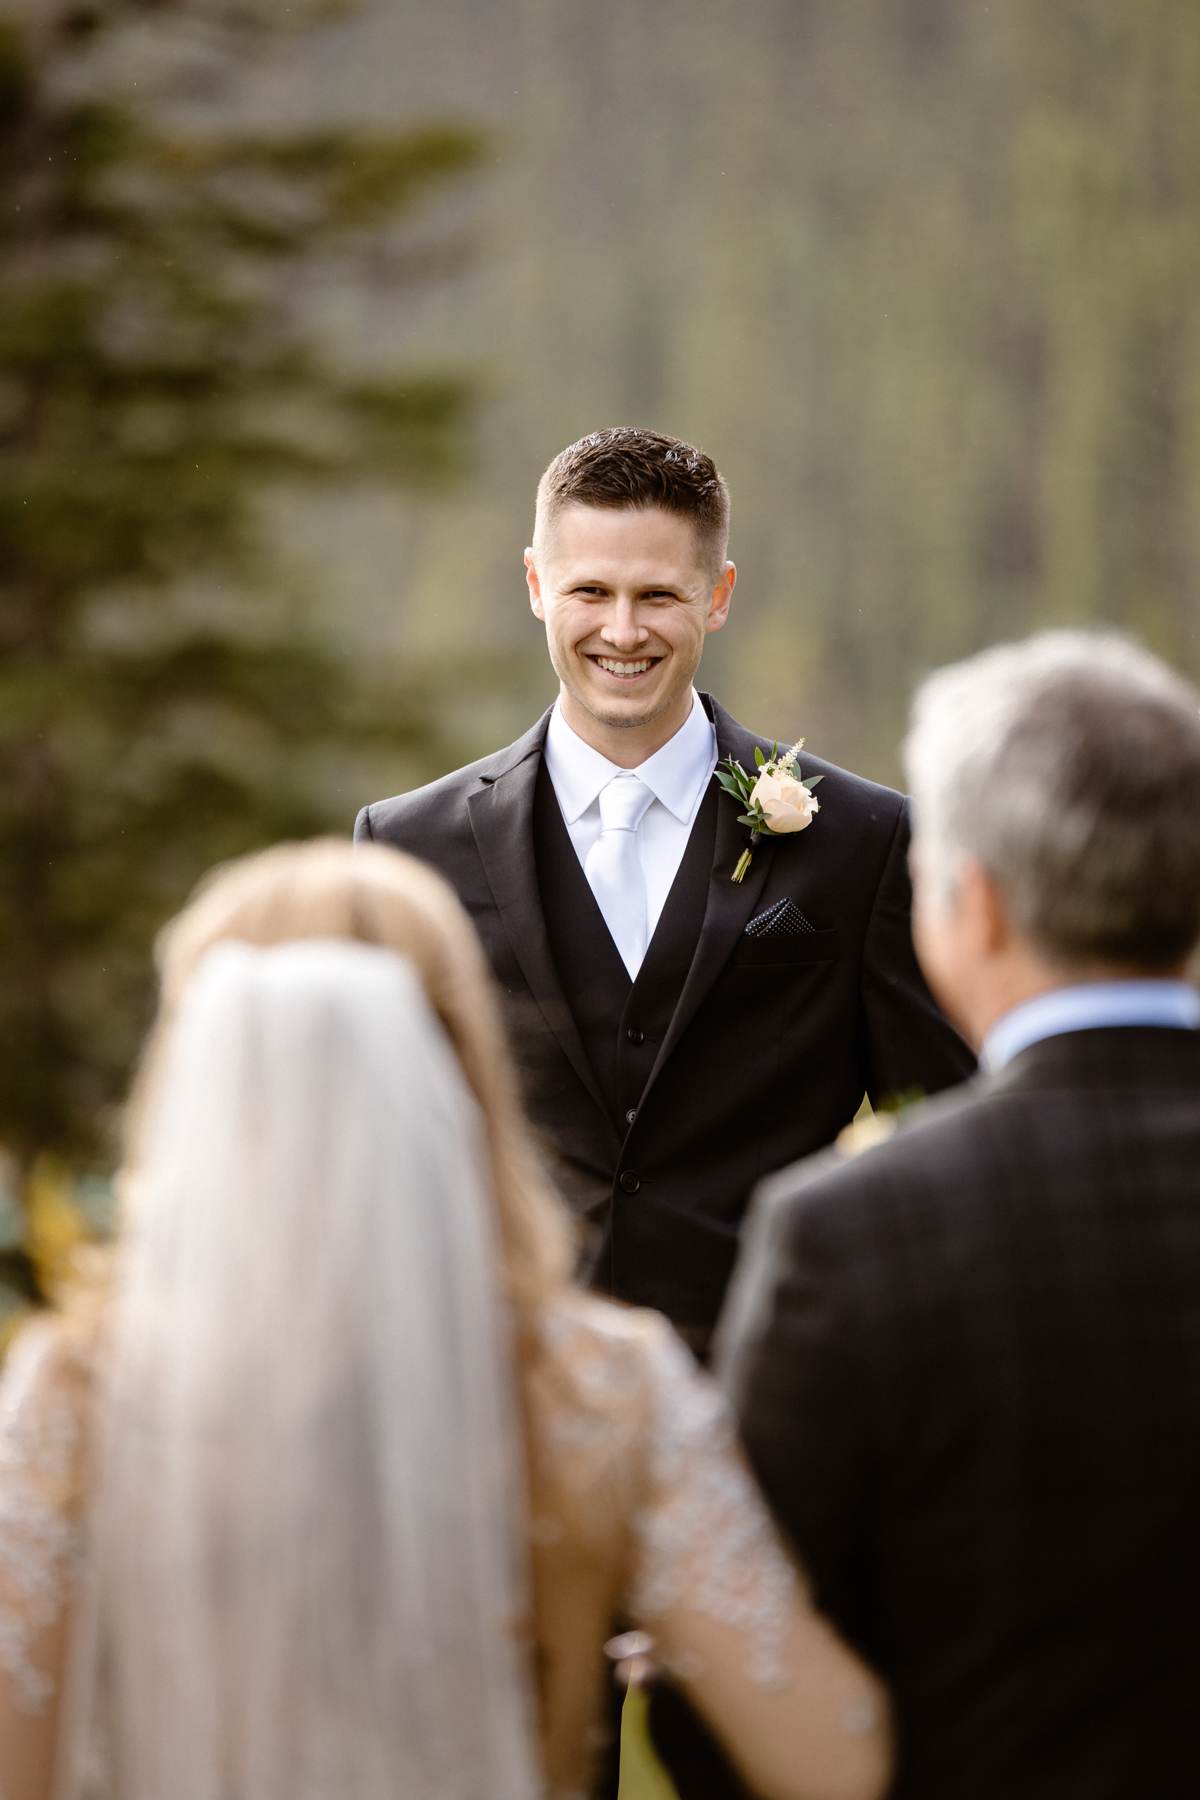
(306, 1578)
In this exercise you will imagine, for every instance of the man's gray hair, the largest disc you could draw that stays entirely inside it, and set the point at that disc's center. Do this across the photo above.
(1069, 766)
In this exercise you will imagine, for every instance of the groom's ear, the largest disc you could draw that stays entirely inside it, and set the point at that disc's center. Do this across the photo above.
(722, 594)
(533, 582)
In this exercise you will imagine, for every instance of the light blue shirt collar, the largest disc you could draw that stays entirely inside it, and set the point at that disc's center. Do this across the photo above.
(676, 774)
(1091, 1006)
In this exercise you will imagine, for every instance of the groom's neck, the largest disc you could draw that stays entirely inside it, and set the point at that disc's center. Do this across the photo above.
(626, 745)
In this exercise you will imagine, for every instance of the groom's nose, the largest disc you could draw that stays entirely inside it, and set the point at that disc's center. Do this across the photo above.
(622, 628)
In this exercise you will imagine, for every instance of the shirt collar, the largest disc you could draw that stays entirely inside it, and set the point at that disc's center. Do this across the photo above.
(676, 774)
(1091, 1006)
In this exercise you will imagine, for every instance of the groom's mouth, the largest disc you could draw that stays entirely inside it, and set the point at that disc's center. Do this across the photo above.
(625, 668)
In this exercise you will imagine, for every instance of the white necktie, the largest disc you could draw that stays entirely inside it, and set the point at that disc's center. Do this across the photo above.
(614, 868)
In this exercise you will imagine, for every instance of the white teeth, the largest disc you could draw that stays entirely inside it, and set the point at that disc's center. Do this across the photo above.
(622, 668)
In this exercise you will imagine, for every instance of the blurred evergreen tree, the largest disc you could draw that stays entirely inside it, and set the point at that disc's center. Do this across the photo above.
(156, 378)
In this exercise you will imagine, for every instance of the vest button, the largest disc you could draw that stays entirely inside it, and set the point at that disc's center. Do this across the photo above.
(629, 1183)
(631, 1115)
(635, 1034)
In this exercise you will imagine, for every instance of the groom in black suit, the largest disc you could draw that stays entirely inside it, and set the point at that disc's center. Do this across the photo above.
(680, 1033)
(967, 1361)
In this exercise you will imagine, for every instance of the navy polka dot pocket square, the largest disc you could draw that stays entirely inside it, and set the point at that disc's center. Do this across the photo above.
(779, 923)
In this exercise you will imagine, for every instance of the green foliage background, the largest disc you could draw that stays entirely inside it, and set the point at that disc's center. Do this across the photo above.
(161, 698)
(293, 316)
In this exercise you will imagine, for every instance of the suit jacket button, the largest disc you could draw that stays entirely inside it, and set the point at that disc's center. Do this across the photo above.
(635, 1034)
(629, 1182)
(631, 1115)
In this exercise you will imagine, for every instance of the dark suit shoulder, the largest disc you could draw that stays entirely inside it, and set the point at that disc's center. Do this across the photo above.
(853, 796)
(1005, 1174)
(870, 796)
(439, 807)
(937, 1151)
(394, 819)
(858, 835)
(861, 817)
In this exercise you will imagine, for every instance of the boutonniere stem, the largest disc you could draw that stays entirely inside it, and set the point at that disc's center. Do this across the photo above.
(746, 858)
(776, 800)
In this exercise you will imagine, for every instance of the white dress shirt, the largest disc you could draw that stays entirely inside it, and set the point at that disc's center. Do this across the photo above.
(677, 776)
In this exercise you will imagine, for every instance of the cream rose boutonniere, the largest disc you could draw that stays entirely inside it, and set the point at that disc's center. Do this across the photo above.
(776, 800)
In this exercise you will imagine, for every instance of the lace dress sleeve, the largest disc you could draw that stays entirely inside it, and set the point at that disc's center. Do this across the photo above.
(40, 1442)
(728, 1608)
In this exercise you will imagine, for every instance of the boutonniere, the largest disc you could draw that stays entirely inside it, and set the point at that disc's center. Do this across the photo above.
(776, 800)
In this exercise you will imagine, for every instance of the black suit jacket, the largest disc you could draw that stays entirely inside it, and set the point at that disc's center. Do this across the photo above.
(967, 1369)
(769, 1048)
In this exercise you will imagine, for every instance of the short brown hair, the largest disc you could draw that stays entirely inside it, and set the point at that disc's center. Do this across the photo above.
(625, 466)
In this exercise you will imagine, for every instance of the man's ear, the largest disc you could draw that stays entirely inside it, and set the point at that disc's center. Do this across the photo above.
(722, 594)
(534, 583)
(991, 926)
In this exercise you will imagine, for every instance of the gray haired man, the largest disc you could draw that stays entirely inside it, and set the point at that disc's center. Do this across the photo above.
(966, 1361)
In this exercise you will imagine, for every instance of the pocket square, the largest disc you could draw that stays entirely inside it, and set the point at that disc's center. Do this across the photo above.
(782, 921)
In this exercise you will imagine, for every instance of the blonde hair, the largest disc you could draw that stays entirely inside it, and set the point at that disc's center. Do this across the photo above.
(328, 888)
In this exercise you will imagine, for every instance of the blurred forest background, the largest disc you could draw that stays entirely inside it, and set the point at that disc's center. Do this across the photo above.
(296, 301)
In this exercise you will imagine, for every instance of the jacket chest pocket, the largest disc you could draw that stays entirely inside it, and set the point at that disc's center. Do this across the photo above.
(778, 953)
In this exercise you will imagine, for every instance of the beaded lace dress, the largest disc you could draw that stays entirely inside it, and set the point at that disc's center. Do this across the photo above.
(642, 1512)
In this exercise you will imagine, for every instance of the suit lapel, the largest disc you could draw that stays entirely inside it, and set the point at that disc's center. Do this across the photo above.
(501, 815)
(730, 904)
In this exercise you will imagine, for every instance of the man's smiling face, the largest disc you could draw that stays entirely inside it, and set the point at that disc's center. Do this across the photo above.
(627, 596)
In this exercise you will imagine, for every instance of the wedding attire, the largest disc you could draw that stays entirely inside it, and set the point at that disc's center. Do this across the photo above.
(640, 1508)
(614, 867)
(760, 1012)
(965, 1365)
(293, 1516)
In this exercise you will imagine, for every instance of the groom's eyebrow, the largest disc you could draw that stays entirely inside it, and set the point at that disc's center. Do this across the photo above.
(569, 580)
(653, 585)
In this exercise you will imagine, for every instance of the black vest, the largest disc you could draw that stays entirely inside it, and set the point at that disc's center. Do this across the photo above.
(622, 1022)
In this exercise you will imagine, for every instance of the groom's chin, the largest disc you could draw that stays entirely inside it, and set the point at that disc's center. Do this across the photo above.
(631, 710)
(627, 718)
